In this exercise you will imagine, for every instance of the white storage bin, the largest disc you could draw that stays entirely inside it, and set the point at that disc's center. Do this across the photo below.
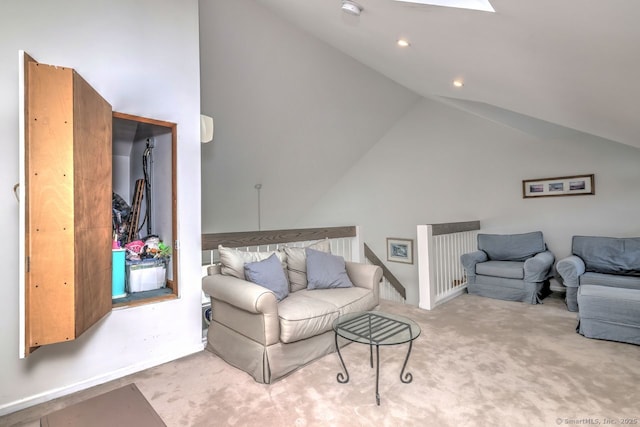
(146, 275)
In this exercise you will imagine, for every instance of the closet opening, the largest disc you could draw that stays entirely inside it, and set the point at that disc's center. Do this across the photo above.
(145, 240)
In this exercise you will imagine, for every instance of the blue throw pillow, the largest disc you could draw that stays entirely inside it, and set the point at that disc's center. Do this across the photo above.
(325, 271)
(269, 274)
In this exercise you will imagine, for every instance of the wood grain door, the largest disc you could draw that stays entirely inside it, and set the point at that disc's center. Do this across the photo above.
(66, 191)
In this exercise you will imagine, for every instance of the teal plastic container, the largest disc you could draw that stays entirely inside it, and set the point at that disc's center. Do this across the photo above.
(117, 273)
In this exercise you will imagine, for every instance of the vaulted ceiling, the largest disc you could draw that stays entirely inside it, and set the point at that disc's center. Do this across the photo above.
(573, 63)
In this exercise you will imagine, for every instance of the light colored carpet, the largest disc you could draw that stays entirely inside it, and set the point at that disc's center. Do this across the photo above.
(478, 362)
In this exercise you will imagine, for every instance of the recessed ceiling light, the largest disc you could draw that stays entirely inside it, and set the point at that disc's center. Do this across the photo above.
(403, 43)
(458, 83)
(351, 8)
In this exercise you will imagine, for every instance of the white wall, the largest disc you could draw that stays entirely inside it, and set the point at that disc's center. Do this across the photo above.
(439, 164)
(161, 193)
(143, 58)
(291, 113)
(279, 98)
(121, 174)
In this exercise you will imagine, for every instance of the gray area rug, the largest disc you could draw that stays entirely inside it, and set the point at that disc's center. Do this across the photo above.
(123, 407)
(478, 362)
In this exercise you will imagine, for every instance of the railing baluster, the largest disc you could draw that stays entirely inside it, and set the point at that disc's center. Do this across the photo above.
(441, 276)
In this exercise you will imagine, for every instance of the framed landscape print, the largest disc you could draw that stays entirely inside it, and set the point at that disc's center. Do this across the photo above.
(579, 185)
(400, 250)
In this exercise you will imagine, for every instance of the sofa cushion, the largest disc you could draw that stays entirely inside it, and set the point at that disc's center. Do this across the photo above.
(609, 255)
(232, 260)
(511, 247)
(302, 317)
(297, 263)
(618, 307)
(269, 274)
(347, 300)
(612, 280)
(325, 271)
(506, 269)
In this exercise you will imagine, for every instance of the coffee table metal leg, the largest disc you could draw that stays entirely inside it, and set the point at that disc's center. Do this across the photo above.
(342, 379)
(371, 355)
(377, 374)
(370, 345)
(406, 377)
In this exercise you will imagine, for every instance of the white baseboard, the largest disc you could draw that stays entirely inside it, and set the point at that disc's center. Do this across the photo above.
(20, 404)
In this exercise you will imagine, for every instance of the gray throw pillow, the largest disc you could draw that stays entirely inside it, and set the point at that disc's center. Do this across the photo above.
(325, 271)
(297, 263)
(268, 274)
(609, 255)
(511, 247)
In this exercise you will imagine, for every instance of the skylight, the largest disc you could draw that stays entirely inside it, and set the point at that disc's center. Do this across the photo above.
(483, 5)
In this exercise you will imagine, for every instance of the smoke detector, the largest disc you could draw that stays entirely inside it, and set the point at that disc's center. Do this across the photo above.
(351, 8)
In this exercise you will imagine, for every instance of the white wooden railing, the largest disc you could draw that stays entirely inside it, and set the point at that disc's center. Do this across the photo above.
(390, 287)
(441, 276)
(389, 293)
(346, 247)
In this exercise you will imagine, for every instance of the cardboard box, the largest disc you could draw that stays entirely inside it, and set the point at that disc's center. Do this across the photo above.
(146, 275)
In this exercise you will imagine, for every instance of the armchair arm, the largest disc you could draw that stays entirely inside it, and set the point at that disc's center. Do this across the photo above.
(240, 293)
(214, 269)
(244, 307)
(365, 276)
(570, 269)
(538, 267)
(470, 260)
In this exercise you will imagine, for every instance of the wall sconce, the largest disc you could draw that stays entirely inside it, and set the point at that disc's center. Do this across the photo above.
(206, 128)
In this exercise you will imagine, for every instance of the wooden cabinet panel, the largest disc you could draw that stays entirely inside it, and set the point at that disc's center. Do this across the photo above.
(50, 279)
(68, 205)
(92, 197)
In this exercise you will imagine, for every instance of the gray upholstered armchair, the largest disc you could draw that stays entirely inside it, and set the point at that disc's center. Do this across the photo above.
(513, 267)
(601, 261)
(602, 277)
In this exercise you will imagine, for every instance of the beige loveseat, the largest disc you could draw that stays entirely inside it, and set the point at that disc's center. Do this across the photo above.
(268, 339)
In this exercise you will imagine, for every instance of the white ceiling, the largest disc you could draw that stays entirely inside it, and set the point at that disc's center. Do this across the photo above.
(573, 63)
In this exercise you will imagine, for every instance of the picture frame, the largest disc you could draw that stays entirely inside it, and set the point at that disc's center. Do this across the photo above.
(400, 250)
(576, 185)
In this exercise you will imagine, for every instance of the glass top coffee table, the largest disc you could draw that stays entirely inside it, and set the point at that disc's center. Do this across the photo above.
(376, 328)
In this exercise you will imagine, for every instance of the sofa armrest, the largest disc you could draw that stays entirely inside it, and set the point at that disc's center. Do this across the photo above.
(244, 307)
(469, 261)
(214, 269)
(538, 267)
(364, 275)
(570, 269)
(239, 293)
